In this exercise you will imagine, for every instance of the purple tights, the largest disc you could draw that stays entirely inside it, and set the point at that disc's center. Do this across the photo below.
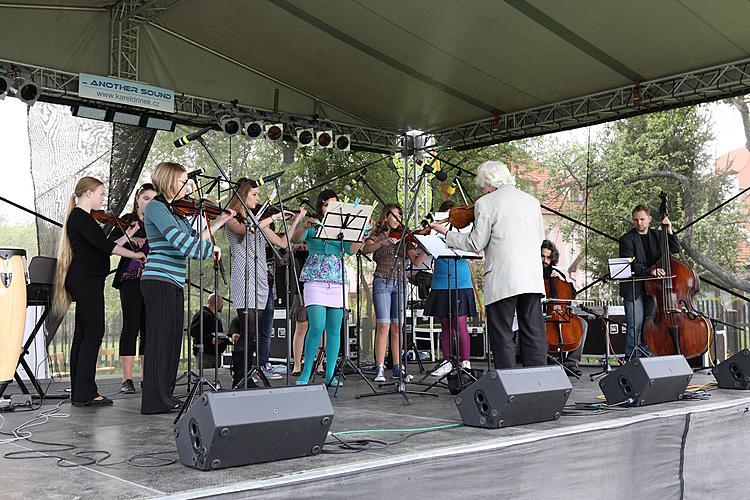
(446, 337)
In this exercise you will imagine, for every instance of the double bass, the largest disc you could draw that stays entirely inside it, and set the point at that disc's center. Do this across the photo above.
(673, 328)
(564, 329)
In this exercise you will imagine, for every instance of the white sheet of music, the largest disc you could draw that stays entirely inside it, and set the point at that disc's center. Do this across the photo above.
(435, 244)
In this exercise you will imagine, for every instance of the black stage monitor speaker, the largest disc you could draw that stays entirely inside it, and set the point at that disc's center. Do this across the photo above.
(647, 381)
(227, 429)
(503, 398)
(734, 373)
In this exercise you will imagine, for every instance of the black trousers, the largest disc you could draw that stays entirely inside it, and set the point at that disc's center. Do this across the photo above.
(239, 370)
(133, 317)
(88, 294)
(532, 335)
(164, 322)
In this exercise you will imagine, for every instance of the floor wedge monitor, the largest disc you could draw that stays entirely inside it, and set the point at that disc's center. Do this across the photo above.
(734, 373)
(227, 429)
(504, 398)
(647, 381)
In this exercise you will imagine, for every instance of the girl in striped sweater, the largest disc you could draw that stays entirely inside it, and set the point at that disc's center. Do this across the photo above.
(171, 240)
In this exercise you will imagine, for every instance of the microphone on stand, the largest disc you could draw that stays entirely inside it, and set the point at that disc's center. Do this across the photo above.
(269, 178)
(194, 173)
(185, 139)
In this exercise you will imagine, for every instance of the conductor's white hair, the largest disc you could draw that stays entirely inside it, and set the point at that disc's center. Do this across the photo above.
(494, 173)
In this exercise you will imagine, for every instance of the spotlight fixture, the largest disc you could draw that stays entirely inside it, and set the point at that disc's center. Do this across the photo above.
(253, 129)
(26, 90)
(230, 125)
(5, 85)
(324, 138)
(89, 112)
(305, 137)
(274, 131)
(343, 142)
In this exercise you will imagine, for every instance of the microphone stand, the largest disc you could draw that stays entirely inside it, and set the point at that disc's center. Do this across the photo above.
(400, 386)
(255, 223)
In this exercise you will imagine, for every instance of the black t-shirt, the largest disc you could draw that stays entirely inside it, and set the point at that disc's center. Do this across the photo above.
(91, 248)
(646, 242)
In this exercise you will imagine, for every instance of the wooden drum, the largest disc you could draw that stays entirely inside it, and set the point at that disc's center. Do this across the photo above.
(12, 308)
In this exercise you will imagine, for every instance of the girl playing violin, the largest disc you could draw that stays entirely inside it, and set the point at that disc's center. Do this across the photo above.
(82, 265)
(249, 282)
(171, 241)
(128, 281)
(323, 294)
(387, 287)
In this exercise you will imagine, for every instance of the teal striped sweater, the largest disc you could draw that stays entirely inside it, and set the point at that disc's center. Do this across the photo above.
(171, 241)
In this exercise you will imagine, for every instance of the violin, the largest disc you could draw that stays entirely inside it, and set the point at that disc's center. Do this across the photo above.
(398, 233)
(669, 330)
(564, 329)
(459, 216)
(189, 207)
(110, 219)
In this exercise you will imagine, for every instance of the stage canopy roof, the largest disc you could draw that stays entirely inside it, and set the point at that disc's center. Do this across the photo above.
(470, 72)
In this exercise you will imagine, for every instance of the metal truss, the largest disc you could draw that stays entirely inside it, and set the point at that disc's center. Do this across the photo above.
(124, 39)
(62, 87)
(644, 97)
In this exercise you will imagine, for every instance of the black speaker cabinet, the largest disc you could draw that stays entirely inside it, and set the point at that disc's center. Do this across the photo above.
(647, 381)
(227, 429)
(504, 398)
(734, 373)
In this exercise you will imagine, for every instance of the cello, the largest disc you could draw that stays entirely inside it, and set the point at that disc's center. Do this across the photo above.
(564, 329)
(672, 328)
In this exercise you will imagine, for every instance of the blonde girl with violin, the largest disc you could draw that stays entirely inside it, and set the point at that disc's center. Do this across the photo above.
(82, 265)
(171, 242)
(387, 286)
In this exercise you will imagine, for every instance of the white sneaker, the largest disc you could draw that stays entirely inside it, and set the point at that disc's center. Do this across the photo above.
(465, 364)
(443, 369)
(380, 375)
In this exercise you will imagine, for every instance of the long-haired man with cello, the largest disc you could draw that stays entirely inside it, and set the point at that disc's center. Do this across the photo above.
(509, 228)
(645, 245)
(550, 257)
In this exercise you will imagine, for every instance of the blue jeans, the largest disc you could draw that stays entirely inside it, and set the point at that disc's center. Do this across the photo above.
(634, 313)
(386, 295)
(266, 331)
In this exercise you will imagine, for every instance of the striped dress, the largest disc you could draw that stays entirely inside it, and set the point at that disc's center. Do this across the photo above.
(171, 241)
(242, 260)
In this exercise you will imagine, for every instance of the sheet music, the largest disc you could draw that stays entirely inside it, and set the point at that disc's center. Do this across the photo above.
(435, 244)
(356, 217)
(619, 268)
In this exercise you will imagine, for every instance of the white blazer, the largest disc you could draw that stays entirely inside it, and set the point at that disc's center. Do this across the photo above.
(508, 226)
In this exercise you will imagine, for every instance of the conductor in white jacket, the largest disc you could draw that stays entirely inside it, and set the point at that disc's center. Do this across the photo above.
(509, 228)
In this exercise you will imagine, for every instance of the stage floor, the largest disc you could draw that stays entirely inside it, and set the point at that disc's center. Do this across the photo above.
(576, 456)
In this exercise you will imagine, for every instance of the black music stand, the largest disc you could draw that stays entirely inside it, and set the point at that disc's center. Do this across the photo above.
(344, 222)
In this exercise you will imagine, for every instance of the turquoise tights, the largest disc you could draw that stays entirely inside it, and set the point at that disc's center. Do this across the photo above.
(322, 318)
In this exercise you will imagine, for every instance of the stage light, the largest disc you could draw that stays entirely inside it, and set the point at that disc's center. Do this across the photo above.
(274, 131)
(89, 112)
(305, 137)
(324, 138)
(230, 125)
(126, 118)
(5, 84)
(160, 123)
(343, 142)
(26, 90)
(253, 129)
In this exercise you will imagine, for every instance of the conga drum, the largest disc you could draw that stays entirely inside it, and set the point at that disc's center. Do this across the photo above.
(12, 309)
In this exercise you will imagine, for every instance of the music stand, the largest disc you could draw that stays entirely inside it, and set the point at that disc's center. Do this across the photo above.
(344, 222)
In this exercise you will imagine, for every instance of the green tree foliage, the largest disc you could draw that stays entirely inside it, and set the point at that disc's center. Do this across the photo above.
(671, 142)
